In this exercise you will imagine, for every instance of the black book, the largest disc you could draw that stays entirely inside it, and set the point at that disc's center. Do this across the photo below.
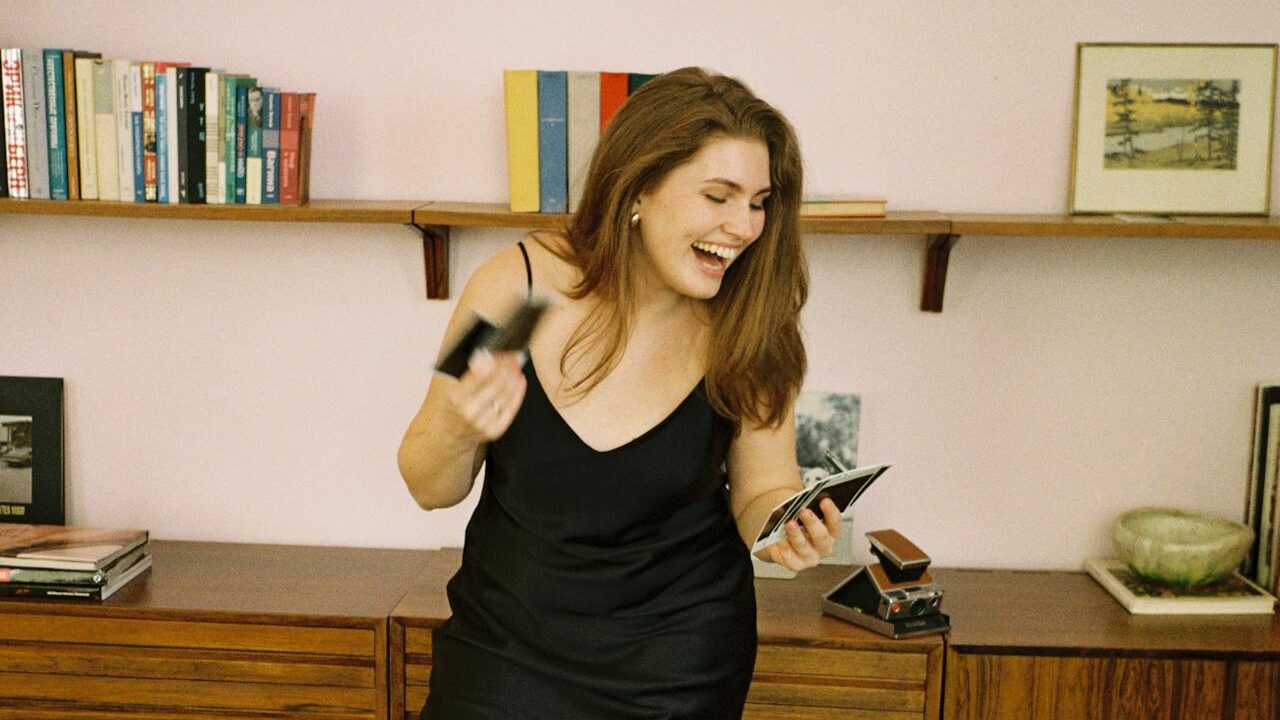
(4, 161)
(179, 143)
(193, 152)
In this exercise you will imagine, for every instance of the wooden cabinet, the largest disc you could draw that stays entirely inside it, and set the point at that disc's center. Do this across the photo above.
(213, 631)
(809, 667)
(1050, 645)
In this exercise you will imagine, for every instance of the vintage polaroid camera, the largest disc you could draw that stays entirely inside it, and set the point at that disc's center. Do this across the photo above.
(896, 596)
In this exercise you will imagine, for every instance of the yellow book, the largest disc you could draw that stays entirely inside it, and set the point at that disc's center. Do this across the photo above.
(521, 88)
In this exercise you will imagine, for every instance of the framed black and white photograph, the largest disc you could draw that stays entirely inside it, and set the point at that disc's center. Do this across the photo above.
(31, 461)
(828, 422)
(1173, 129)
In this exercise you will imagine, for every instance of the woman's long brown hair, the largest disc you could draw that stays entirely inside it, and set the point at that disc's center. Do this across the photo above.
(756, 360)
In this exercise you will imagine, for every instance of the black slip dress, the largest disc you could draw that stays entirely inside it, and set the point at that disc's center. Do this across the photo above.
(599, 584)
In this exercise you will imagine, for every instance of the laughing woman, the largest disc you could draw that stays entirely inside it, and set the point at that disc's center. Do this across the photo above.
(633, 457)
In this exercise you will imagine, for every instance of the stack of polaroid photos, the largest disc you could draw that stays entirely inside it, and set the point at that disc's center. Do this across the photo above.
(844, 488)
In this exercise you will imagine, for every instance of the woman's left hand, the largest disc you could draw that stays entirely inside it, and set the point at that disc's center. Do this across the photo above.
(809, 538)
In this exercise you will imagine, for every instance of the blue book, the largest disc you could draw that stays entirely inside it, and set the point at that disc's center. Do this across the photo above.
(553, 141)
(271, 147)
(55, 105)
(162, 138)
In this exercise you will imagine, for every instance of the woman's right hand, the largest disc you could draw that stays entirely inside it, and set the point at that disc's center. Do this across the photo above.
(484, 401)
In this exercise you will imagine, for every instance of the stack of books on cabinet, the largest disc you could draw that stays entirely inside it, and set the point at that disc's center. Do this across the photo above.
(81, 127)
(53, 561)
(554, 121)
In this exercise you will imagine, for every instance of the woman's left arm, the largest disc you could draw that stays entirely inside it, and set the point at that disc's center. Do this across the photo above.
(763, 473)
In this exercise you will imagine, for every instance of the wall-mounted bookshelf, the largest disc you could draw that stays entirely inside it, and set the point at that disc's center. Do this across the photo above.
(434, 220)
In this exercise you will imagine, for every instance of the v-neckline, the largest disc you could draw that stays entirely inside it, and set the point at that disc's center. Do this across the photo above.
(578, 437)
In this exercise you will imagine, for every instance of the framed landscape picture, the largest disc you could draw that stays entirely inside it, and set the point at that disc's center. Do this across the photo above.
(31, 450)
(1173, 129)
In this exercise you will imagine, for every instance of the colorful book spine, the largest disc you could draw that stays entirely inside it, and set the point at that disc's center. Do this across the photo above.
(212, 190)
(290, 138)
(241, 142)
(86, 130)
(584, 130)
(520, 88)
(196, 137)
(150, 162)
(613, 92)
(162, 135)
(15, 122)
(138, 161)
(553, 141)
(306, 125)
(55, 121)
(253, 147)
(637, 80)
(55, 107)
(104, 128)
(120, 85)
(37, 120)
(227, 141)
(71, 124)
(271, 147)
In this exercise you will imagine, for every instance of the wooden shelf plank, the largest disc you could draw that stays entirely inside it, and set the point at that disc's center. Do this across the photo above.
(463, 214)
(1259, 228)
(916, 222)
(398, 212)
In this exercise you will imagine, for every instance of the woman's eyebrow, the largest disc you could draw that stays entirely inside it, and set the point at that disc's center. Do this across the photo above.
(735, 186)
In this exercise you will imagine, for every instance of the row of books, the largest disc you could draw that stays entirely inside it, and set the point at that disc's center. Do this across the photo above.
(554, 120)
(55, 561)
(81, 127)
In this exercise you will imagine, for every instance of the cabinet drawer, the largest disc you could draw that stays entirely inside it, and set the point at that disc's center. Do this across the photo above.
(882, 683)
(754, 711)
(187, 634)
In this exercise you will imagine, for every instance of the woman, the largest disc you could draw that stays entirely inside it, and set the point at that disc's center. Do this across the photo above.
(605, 571)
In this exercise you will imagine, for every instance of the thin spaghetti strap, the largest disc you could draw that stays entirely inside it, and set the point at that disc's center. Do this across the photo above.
(528, 268)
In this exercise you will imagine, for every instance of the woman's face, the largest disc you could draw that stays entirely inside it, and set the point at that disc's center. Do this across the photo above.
(703, 215)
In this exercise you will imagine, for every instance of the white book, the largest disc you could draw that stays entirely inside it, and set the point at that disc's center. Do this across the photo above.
(212, 101)
(171, 122)
(104, 126)
(15, 122)
(584, 130)
(37, 123)
(86, 135)
(120, 84)
(1233, 596)
(136, 161)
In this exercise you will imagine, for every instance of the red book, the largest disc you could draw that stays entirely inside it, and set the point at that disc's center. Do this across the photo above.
(613, 92)
(290, 140)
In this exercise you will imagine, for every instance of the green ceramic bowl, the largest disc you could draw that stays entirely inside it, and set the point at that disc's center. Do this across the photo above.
(1176, 547)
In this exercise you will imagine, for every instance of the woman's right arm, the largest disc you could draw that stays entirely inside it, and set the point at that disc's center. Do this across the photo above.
(444, 447)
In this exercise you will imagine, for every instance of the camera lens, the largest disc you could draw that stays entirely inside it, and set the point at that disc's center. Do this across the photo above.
(917, 606)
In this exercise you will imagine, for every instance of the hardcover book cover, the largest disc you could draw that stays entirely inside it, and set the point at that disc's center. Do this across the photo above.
(306, 127)
(290, 139)
(212, 134)
(15, 122)
(584, 129)
(70, 123)
(61, 547)
(1234, 596)
(553, 141)
(86, 133)
(196, 135)
(150, 163)
(843, 207)
(271, 147)
(613, 92)
(55, 107)
(253, 147)
(122, 87)
(104, 129)
(37, 120)
(520, 88)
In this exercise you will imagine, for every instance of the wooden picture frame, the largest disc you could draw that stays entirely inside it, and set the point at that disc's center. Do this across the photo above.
(31, 451)
(1181, 129)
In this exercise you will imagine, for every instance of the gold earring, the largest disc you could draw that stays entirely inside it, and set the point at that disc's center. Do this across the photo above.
(635, 218)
